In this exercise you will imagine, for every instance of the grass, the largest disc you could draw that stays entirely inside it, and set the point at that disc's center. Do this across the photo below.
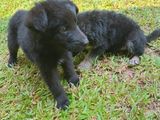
(110, 90)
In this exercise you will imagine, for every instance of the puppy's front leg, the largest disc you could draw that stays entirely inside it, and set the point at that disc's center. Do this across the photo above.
(68, 68)
(87, 62)
(51, 77)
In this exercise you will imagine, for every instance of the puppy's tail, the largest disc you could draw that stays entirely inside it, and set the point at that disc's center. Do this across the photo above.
(153, 36)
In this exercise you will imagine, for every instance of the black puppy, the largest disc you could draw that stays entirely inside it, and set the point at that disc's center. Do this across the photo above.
(110, 31)
(46, 34)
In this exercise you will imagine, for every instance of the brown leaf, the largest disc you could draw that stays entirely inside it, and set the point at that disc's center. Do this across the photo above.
(130, 73)
(94, 118)
(3, 89)
(121, 69)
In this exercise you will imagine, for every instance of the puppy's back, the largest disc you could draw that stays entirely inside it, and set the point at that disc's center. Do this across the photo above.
(106, 18)
(17, 19)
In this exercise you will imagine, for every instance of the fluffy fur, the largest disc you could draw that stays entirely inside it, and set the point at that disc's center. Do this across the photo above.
(110, 31)
(46, 34)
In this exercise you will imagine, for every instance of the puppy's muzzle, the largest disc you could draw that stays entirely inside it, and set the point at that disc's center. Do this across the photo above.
(80, 39)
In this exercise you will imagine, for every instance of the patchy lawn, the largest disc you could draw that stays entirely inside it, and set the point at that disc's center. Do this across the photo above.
(111, 90)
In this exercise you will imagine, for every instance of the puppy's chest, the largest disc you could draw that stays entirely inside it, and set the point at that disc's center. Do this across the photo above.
(50, 55)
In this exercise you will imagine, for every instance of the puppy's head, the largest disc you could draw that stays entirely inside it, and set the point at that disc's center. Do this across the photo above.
(56, 22)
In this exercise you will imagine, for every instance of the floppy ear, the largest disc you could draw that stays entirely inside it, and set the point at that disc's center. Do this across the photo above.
(71, 6)
(37, 18)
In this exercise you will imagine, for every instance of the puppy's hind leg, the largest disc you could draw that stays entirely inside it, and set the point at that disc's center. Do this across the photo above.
(135, 46)
(12, 46)
(87, 62)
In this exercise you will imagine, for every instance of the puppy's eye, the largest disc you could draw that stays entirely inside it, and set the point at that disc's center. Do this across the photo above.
(62, 29)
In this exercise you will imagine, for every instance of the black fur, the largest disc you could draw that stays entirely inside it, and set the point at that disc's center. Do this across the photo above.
(110, 31)
(46, 34)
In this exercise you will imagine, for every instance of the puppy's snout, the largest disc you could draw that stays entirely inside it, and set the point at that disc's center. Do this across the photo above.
(83, 38)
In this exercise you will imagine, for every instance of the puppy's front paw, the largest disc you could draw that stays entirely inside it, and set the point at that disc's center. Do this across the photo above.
(62, 102)
(74, 80)
(85, 65)
(11, 62)
(134, 61)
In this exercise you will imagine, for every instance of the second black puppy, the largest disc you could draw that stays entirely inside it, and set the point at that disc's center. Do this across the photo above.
(110, 31)
(46, 33)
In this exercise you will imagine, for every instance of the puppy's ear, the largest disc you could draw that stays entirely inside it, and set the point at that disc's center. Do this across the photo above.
(37, 18)
(71, 6)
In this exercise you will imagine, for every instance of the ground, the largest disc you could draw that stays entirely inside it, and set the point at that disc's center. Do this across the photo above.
(110, 90)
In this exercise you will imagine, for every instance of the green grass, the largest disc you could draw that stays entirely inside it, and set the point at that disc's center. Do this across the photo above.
(110, 90)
